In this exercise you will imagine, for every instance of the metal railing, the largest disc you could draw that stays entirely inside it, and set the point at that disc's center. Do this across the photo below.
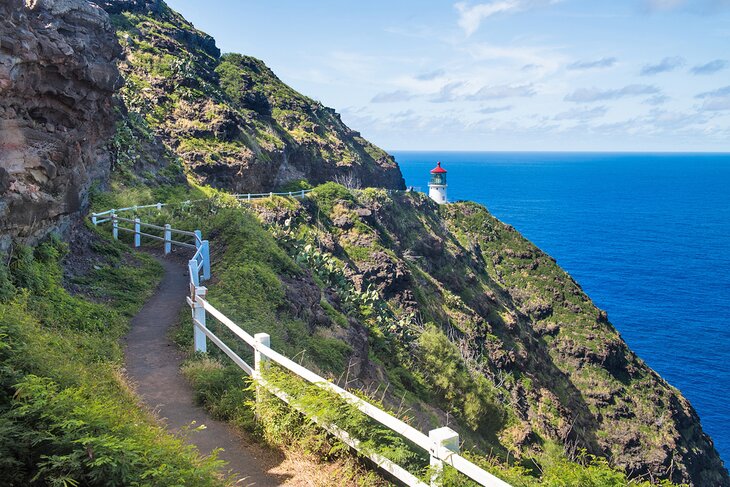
(97, 217)
(441, 444)
(253, 196)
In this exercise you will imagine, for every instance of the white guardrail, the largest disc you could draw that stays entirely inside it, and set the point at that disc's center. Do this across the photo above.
(442, 444)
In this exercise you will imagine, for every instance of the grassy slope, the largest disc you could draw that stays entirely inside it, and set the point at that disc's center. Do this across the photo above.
(257, 268)
(67, 416)
(217, 113)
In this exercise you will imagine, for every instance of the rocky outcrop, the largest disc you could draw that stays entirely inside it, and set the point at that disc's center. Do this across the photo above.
(229, 118)
(57, 77)
(516, 318)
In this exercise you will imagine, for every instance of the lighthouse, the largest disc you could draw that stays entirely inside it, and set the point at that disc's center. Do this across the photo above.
(437, 184)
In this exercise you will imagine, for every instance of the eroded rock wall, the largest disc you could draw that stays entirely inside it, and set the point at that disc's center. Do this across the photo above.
(57, 78)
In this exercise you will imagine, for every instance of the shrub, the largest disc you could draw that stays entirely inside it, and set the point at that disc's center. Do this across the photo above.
(66, 417)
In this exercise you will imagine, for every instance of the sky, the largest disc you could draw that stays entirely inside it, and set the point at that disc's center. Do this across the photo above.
(501, 75)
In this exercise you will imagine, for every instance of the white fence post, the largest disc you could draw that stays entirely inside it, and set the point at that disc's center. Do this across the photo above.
(442, 438)
(199, 337)
(206, 260)
(168, 239)
(249, 196)
(193, 270)
(259, 359)
(198, 239)
(159, 206)
(137, 236)
(302, 193)
(115, 226)
(93, 218)
(271, 194)
(259, 362)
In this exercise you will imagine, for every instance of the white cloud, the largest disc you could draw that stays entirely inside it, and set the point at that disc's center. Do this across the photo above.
(588, 95)
(710, 68)
(696, 6)
(438, 73)
(470, 17)
(582, 114)
(503, 91)
(665, 65)
(657, 100)
(490, 110)
(447, 92)
(716, 100)
(664, 5)
(392, 97)
(605, 62)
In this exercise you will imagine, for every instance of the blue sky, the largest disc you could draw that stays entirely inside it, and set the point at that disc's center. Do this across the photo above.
(624, 75)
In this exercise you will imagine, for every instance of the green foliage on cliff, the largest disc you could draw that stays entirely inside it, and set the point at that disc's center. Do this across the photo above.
(273, 274)
(66, 415)
(232, 112)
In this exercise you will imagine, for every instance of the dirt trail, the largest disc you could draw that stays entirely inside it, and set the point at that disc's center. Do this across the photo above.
(153, 365)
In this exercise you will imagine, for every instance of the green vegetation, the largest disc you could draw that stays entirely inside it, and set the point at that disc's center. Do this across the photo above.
(67, 417)
(258, 274)
(228, 110)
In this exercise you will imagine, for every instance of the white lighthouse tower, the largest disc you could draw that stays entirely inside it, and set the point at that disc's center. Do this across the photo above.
(437, 184)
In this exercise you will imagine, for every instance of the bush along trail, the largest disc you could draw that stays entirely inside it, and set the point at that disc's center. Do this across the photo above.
(67, 415)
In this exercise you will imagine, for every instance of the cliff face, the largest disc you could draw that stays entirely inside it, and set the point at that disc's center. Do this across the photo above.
(231, 121)
(531, 359)
(57, 77)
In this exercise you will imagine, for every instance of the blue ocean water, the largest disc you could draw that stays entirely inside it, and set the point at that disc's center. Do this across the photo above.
(646, 235)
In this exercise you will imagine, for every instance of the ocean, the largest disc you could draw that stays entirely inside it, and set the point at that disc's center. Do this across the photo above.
(646, 235)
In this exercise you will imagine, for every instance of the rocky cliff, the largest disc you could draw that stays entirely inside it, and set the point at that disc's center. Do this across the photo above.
(57, 77)
(231, 121)
(473, 320)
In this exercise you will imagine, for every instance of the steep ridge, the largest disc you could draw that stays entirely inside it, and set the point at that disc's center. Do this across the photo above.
(232, 122)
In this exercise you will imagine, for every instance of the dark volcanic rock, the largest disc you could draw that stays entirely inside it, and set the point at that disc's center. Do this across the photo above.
(57, 76)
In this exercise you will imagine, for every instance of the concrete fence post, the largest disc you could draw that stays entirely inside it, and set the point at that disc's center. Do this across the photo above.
(159, 206)
(168, 238)
(115, 226)
(302, 193)
(249, 196)
(441, 438)
(199, 337)
(93, 218)
(137, 236)
(206, 260)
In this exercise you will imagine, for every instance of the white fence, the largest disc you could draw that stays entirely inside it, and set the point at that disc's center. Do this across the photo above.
(441, 444)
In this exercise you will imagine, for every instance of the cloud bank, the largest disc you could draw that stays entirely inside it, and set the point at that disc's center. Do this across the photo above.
(710, 68)
(665, 65)
(605, 62)
(589, 95)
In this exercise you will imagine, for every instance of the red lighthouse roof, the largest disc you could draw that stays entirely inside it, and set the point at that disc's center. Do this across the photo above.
(438, 169)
